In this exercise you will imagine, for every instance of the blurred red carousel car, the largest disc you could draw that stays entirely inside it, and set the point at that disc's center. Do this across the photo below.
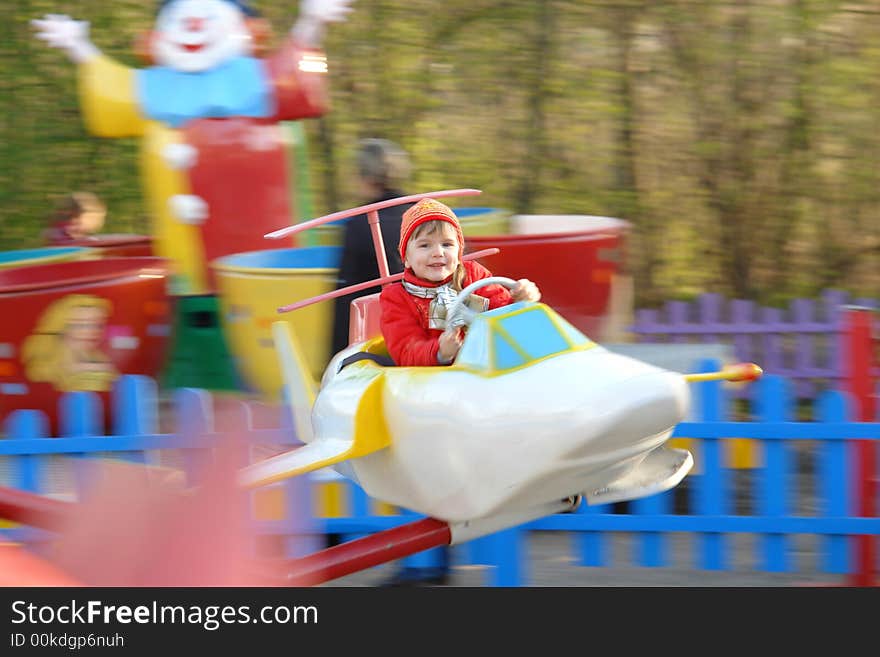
(79, 325)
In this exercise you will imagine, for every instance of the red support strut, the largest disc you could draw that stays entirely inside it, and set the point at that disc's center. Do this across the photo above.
(366, 552)
(32, 509)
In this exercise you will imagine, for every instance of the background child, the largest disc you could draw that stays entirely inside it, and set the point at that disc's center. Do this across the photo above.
(414, 311)
(78, 216)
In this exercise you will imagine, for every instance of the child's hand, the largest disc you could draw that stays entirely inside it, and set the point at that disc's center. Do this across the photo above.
(450, 343)
(525, 290)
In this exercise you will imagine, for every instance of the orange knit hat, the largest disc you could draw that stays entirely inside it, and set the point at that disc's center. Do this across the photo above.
(427, 209)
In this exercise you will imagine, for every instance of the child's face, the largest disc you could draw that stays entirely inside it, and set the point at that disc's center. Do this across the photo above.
(432, 251)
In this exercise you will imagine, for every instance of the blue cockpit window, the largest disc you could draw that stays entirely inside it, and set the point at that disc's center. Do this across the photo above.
(506, 356)
(474, 352)
(515, 335)
(535, 334)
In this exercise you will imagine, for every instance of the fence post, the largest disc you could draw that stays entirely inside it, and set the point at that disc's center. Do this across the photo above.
(803, 314)
(593, 546)
(25, 424)
(713, 480)
(773, 400)
(743, 341)
(645, 325)
(82, 416)
(858, 356)
(834, 494)
(652, 547)
(135, 411)
(193, 419)
(502, 552)
(678, 315)
(773, 359)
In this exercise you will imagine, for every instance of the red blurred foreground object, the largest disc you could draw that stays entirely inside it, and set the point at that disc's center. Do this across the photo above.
(138, 526)
(130, 536)
(18, 567)
(33, 510)
(139, 529)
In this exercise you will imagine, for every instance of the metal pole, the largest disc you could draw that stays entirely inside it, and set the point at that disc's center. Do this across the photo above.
(362, 553)
(378, 244)
(32, 509)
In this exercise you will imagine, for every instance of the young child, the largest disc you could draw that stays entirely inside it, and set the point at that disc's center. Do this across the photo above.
(77, 217)
(413, 317)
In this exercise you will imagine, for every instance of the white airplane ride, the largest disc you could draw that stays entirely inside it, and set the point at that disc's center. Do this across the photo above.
(531, 416)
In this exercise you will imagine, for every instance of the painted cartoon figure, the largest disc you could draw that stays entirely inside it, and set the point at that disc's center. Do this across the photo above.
(208, 111)
(65, 347)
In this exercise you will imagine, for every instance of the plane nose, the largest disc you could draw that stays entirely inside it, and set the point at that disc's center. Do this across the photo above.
(680, 393)
(662, 398)
(640, 392)
(640, 408)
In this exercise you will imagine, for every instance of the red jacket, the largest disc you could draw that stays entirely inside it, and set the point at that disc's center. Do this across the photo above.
(404, 320)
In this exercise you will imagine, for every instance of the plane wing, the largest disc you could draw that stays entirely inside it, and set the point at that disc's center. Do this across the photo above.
(370, 435)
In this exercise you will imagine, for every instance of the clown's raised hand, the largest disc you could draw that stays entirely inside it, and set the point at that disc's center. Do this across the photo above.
(67, 34)
(328, 11)
(314, 14)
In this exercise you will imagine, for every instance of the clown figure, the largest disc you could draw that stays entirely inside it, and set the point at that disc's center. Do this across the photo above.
(212, 154)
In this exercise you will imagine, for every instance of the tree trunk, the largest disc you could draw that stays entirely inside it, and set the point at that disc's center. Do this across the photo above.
(535, 140)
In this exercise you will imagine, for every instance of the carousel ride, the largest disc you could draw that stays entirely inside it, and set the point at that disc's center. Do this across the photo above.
(532, 418)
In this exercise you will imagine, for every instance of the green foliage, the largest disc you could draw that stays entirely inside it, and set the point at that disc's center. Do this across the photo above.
(740, 139)
(46, 151)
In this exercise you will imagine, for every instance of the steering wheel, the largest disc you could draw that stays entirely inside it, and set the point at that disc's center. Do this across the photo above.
(459, 311)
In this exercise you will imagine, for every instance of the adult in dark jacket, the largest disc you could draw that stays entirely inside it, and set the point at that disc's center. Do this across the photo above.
(383, 167)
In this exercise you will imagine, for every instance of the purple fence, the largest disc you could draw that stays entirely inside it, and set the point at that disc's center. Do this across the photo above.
(801, 343)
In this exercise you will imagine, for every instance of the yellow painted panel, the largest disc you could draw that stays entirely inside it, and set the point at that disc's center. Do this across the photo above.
(737, 452)
(742, 453)
(329, 499)
(249, 301)
(385, 509)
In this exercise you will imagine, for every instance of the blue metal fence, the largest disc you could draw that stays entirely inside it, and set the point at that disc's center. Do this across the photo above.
(710, 518)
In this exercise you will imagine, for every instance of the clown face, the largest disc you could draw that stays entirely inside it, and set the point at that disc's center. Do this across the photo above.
(197, 35)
